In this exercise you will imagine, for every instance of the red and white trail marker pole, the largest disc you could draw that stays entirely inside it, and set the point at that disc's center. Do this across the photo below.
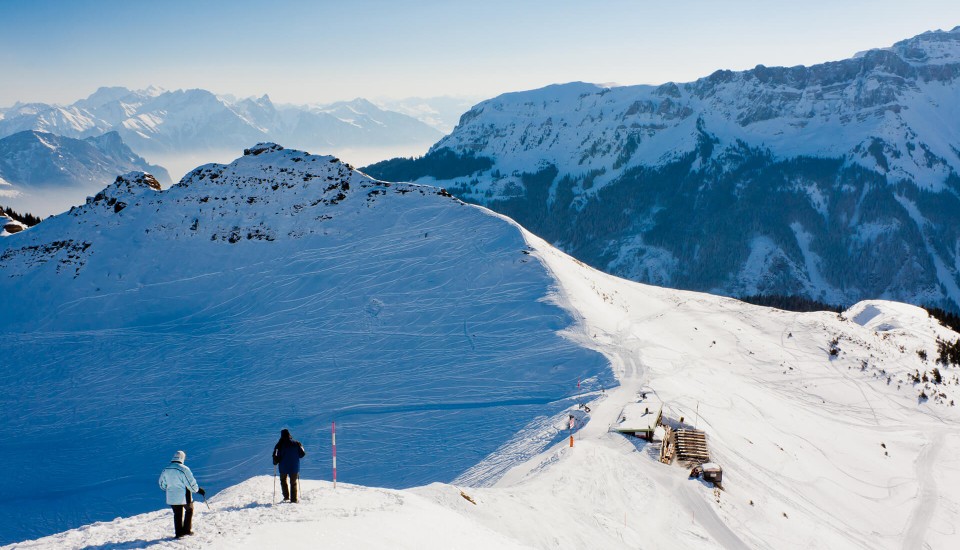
(333, 433)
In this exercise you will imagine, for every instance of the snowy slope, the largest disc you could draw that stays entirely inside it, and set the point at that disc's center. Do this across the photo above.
(788, 180)
(284, 289)
(818, 451)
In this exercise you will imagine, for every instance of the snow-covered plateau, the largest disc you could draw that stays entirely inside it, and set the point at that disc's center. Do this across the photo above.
(287, 289)
(775, 180)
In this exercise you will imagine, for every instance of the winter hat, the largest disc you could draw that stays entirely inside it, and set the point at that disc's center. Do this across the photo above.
(179, 456)
(284, 434)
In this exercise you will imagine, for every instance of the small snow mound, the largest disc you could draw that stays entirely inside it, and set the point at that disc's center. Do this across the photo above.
(262, 148)
(883, 316)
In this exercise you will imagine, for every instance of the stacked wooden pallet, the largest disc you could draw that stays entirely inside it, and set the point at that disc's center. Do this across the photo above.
(692, 446)
(667, 446)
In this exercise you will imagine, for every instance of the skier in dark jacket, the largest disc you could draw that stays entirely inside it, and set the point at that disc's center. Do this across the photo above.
(287, 454)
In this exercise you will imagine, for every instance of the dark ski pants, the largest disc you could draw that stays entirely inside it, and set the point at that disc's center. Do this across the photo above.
(291, 492)
(183, 517)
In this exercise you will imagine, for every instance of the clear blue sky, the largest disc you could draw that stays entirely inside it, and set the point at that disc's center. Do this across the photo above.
(319, 51)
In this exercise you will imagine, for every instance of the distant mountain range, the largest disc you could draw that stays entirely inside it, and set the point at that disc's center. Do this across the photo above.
(156, 121)
(44, 173)
(837, 181)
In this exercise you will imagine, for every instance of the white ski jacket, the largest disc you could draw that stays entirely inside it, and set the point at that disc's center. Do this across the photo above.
(175, 479)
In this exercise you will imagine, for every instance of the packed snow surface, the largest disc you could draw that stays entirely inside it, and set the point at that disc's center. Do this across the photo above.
(820, 433)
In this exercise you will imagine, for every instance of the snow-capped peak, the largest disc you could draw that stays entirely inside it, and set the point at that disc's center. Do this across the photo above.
(932, 47)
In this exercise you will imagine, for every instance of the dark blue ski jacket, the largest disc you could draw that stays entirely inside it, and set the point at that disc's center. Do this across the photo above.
(287, 454)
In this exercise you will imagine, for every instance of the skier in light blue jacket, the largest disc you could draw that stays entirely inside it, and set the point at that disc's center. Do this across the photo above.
(178, 481)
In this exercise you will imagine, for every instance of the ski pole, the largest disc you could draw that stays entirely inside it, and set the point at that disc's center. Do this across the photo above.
(274, 484)
(204, 497)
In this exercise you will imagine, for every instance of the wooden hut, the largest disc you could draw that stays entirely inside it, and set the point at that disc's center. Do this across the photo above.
(640, 418)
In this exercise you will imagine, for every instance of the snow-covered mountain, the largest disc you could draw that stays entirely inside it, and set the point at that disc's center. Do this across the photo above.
(283, 289)
(45, 173)
(816, 418)
(799, 180)
(156, 122)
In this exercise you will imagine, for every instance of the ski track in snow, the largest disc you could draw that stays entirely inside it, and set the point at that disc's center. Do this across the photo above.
(927, 495)
(704, 515)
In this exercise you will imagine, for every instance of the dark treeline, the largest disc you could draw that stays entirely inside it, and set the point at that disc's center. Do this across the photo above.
(27, 219)
(790, 303)
(948, 353)
(441, 164)
(947, 318)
